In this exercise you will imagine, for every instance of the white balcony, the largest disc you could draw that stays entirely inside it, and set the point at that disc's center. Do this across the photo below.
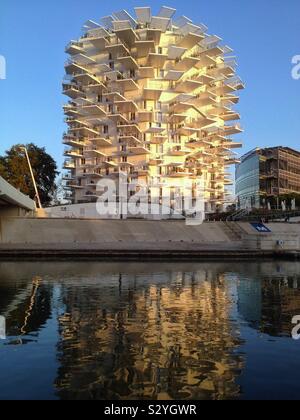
(143, 48)
(126, 106)
(127, 84)
(145, 116)
(73, 153)
(73, 141)
(93, 109)
(130, 140)
(139, 150)
(188, 86)
(73, 91)
(186, 64)
(86, 78)
(190, 40)
(146, 73)
(117, 49)
(69, 164)
(128, 62)
(118, 118)
(157, 60)
(128, 36)
(74, 48)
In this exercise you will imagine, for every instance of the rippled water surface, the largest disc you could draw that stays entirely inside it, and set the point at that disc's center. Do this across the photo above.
(86, 330)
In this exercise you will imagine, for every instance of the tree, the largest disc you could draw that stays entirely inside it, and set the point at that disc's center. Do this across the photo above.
(14, 168)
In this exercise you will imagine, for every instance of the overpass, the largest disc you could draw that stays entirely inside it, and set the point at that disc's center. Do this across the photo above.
(13, 202)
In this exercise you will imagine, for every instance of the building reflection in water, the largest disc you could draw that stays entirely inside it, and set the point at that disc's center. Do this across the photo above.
(148, 331)
(269, 301)
(161, 336)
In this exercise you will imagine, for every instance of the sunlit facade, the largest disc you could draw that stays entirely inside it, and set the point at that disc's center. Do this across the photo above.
(151, 97)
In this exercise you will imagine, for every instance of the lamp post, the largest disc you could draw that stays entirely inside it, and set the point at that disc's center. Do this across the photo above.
(24, 149)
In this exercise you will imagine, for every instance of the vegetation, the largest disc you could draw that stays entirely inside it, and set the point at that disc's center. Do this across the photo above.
(14, 168)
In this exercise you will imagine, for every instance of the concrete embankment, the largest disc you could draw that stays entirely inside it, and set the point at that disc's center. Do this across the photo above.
(33, 237)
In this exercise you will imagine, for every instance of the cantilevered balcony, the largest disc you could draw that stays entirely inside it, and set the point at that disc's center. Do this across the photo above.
(74, 185)
(177, 151)
(118, 118)
(127, 85)
(143, 48)
(73, 90)
(86, 79)
(145, 116)
(117, 49)
(71, 110)
(69, 164)
(228, 130)
(230, 116)
(157, 60)
(94, 151)
(177, 172)
(128, 129)
(74, 48)
(146, 73)
(177, 118)
(73, 153)
(188, 86)
(190, 40)
(128, 62)
(94, 110)
(99, 41)
(186, 64)
(154, 89)
(84, 131)
(100, 141)
(75, 68)
(205, 99)
(129, 140)
(73, 141)
(173, 75)
(126, 106)
(158, 139)
(139, 150)
(127, 36)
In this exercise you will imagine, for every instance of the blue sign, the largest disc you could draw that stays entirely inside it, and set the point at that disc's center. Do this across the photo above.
(261, 228)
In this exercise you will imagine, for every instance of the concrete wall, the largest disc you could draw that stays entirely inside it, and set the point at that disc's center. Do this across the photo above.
(41, 233)
(101, 232)
(14, 211)
(283, 236)
(89, 211)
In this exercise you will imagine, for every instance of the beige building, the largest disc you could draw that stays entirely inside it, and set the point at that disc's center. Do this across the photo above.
(151, 97)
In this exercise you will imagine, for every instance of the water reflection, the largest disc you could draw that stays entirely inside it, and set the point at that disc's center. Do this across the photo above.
(141, 331)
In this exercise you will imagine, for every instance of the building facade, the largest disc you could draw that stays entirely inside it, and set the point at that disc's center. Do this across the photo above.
(265, 177)
(151, 97)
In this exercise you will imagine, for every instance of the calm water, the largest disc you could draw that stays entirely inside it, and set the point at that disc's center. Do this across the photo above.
(149, 331)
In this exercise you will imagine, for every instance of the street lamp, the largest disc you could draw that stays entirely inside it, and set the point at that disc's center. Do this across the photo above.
(24, 149)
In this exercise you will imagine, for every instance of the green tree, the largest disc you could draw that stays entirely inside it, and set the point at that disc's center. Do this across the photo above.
(14, 168)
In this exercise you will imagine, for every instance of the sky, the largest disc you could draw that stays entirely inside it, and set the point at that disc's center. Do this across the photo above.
(33, 34)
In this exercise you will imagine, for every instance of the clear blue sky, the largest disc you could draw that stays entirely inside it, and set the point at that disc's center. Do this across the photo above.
(264, 34)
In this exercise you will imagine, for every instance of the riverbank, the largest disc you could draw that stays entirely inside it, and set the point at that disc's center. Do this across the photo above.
(23, 238)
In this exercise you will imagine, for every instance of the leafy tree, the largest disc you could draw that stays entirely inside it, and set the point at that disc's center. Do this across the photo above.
(14, 168)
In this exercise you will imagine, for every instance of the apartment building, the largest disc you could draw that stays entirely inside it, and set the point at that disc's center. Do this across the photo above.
(267, 176)
(151, 97)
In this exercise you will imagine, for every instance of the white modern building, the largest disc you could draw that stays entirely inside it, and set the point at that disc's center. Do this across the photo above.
(152, 97)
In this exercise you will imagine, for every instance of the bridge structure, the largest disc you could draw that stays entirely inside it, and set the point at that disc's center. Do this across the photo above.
(13, 202)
